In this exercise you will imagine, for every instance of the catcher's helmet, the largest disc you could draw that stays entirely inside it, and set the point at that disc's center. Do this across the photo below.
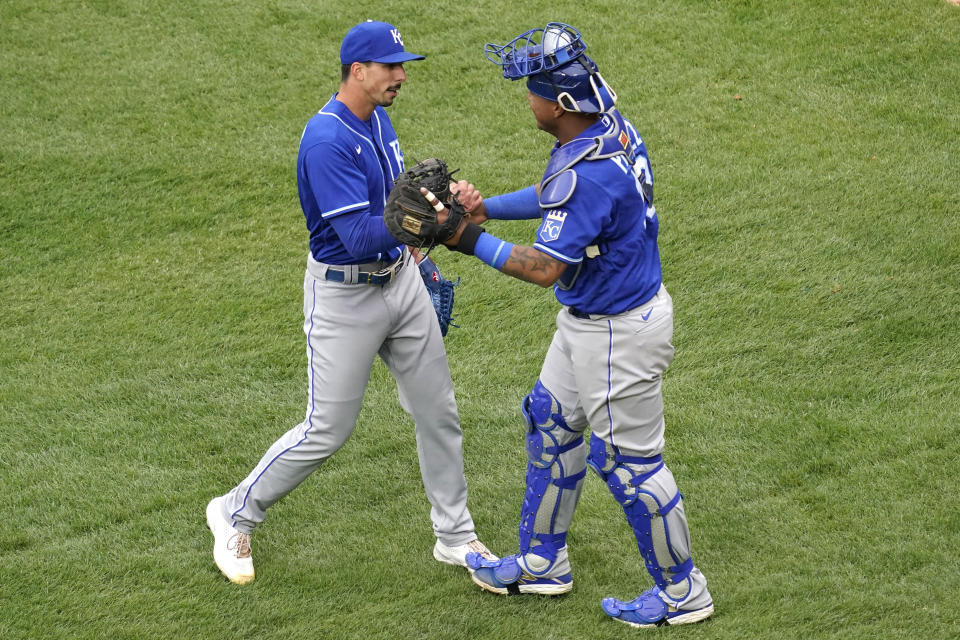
(556, 68)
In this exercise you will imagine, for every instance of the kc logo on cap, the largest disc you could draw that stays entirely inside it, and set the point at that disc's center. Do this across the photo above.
(373, 41)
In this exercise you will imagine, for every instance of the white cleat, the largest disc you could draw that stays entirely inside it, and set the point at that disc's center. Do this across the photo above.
(231, 547)
(457, 555)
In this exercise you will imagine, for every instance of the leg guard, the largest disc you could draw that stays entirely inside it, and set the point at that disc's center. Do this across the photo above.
(557, 466)
(646, 490)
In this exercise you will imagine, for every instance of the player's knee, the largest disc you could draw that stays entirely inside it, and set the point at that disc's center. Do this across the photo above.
(541, 408)
(320, 437)
(543, 414)
(624, 475)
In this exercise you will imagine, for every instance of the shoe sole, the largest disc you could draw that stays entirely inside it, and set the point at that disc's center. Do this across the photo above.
(687, 618)
(211, 518)
(532, 589)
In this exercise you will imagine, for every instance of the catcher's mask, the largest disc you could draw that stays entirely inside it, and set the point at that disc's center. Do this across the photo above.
(554, 62)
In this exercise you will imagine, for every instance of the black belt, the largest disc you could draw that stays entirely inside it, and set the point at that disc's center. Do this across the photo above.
(379, 277)
(576, 313)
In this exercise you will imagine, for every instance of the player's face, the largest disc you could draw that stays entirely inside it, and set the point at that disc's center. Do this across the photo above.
(543, 111)
(381, 82)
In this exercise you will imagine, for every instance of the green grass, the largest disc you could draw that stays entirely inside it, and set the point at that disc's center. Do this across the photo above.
(150, 344)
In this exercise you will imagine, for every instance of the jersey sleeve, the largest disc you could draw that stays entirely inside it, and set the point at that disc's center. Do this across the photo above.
(363, 234)
(340, 190)
(566, 231)
(337, 184)
(517, 205)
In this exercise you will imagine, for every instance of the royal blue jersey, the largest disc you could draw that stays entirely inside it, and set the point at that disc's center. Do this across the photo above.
(345, 169)
(610, 211)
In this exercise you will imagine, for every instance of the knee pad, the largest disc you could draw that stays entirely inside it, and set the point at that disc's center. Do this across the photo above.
(545, 427)
(645, 512)
(552, 488)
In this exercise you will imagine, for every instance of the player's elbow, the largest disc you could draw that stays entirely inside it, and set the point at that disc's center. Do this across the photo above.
(543, 280)
(548, 276)
(534, 266)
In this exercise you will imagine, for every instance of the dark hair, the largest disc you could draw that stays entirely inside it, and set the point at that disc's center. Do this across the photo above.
(345, 70)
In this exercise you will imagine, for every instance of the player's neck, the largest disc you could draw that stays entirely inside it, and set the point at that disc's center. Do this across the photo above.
(570, 125)
(357, 101)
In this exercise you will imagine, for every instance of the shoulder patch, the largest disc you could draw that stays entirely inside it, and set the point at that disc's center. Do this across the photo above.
(558, 190)
(552, 225)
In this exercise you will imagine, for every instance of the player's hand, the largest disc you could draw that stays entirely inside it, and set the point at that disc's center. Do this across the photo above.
(442, 214)
(472, 201)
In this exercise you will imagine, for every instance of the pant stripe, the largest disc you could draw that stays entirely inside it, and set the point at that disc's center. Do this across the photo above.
(610, 380)
(309, 420)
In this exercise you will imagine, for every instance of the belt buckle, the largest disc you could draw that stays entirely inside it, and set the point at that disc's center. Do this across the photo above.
(387, 272)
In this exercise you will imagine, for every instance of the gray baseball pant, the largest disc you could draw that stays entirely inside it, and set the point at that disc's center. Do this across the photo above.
(347, 326)
(606, 372)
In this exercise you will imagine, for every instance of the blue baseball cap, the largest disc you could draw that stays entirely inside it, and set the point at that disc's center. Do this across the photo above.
(373, 41)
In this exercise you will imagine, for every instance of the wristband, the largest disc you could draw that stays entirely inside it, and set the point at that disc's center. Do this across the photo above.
(492, 250)
(468, 239)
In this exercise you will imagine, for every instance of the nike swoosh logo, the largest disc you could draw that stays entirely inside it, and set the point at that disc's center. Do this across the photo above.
(646, 316)
(358, 149)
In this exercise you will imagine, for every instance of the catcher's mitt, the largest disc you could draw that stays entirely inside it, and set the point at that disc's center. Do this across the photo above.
(410, 218)
(441, 293)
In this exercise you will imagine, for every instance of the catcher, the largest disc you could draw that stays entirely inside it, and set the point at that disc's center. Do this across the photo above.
(596, 245)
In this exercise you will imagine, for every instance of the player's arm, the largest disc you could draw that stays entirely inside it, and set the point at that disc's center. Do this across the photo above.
(339, 188)
(528, 263)
(362, 233)
(521, 262)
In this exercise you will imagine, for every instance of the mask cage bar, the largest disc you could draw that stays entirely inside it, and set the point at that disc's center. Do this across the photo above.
(524, 56)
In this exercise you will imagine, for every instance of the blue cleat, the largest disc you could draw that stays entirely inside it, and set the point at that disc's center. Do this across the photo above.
(506, 576)
(649, 609)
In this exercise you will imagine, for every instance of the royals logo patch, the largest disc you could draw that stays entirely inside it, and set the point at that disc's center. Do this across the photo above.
(552, 225)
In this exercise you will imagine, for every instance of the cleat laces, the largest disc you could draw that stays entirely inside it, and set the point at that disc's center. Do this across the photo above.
(240, 542)
(478, 547)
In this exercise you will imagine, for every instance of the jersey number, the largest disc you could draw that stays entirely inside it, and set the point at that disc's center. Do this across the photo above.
(640, 167)
(639, 171)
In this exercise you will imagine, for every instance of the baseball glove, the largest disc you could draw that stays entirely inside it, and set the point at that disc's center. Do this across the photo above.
(441, 293)
(410, 218)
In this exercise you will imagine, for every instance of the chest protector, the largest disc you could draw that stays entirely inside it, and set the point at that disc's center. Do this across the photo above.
(560, 178)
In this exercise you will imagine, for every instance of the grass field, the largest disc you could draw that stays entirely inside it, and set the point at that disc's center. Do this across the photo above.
(808, 186)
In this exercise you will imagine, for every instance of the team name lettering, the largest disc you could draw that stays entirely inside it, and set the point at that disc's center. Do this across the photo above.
(395, 146)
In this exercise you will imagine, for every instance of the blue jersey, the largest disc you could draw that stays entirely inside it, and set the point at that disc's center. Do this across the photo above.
(606, 227)
(345, 169)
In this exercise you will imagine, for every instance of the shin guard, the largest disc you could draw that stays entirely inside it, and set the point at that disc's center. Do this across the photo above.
(557, 466)
(645, 489)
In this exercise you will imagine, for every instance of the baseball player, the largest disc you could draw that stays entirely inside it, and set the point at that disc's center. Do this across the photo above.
(597, 247)
(361, 299)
